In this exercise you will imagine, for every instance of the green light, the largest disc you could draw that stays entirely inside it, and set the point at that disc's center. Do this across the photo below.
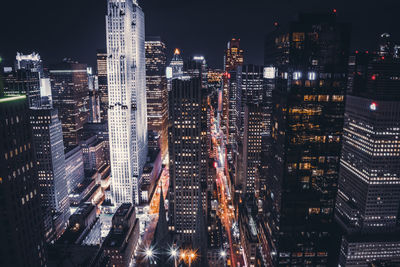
(12, 98)
(1, 59)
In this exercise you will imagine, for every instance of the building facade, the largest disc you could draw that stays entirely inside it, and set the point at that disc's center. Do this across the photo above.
(307, 122)
(127, 113)
(49, 149)
(156, 87)
(21, 234)
(184, 138)
(70, 94)
(368, 199)
(103, 84)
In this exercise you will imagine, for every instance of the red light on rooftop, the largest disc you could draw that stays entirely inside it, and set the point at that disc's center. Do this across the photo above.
(383, 58)
(356, 51)
(275, 23)
(366, 52)
(334, 10)
(373, 77)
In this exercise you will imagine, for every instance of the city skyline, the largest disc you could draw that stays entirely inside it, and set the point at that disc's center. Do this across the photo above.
(159, 155)
(193, 38)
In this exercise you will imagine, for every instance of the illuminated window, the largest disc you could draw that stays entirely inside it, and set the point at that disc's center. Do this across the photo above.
(298, 36)
(296, 75)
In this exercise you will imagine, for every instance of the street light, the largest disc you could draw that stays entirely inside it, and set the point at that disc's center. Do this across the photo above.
(191, 257)
(174, 254)
(222, 255)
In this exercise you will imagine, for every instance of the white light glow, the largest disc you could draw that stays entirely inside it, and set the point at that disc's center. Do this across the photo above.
(269, 73)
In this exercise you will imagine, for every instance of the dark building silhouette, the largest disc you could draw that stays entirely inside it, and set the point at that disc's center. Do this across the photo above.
(184, 142)
(21, 233)
(310, 56)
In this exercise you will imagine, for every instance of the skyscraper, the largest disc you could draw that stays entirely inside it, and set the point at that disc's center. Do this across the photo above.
(368, 199)
(156, 83)
(232, 59)
(24, 78)
(307, 122)
(21, 235)
(103, 86)
(49, 149)
(70, 93)
(176, 65)
(127, 113)
(184, 138)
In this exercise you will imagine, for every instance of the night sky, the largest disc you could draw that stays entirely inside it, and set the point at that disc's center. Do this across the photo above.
(76, 28)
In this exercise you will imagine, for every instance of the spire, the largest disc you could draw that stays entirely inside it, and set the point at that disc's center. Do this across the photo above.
(200, 236)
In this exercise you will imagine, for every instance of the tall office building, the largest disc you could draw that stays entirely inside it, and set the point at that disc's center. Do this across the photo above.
(251, 145)
(232, 59)
(25, 77)
(127, 113)
(102, 81)
(368, 199)
(156, 89)
(184, 138)
(233, 55)
(175, 66)
(21, 235)
(70, 93)
(49, 149)
(307, 123)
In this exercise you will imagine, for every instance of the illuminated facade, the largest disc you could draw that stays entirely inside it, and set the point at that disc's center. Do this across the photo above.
(176, 65)
(184, 138)
(49, 149)
(157, 94)
(21, 235)
(368, 199)
(102, 82)
(232, 59)
(307, 123)
(127, 113)
(25, 77)
(251, 145)
(70, 93)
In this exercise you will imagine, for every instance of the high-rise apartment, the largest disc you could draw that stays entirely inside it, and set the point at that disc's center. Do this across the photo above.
(310, 56)
(127, 113)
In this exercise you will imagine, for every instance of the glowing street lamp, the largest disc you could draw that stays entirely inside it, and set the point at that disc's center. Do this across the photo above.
(223, 255)
(174, 254)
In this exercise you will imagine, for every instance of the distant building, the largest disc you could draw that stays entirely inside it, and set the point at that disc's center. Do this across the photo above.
(156, 84)
(103, 84)
(25, 77)
(251, 146)
(175, 66)
(121, 243)
(93, 150)
(70, 93)
(74, 167)
(21, 234)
